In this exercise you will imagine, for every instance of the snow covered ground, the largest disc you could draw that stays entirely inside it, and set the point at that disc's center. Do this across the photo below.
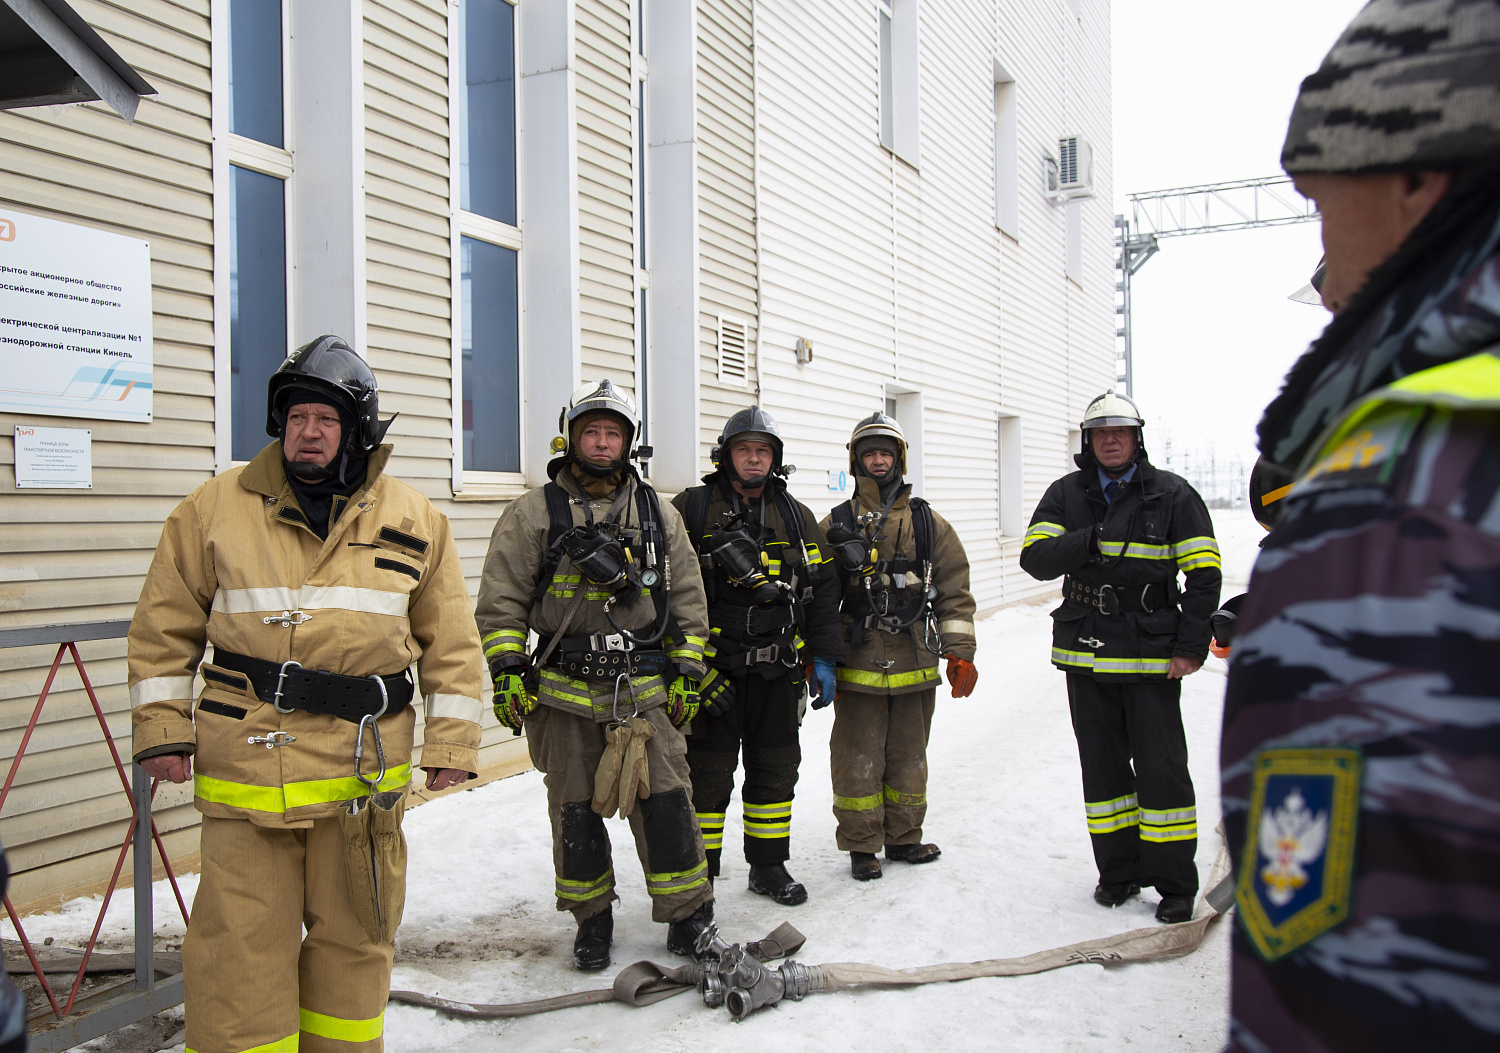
(1016, 876)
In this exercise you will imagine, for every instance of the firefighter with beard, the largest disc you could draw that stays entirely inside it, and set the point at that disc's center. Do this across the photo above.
(1121, 530)
(773, 608)
(906, 601)
(320, 580)
(603, 573)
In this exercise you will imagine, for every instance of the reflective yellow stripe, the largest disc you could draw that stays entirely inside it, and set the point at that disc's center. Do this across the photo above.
(766, 831)
(285, 1045)
(294, 794)
(667, 884)
(1114, 822)
(858, 804)
(768, 821)
(869, 678)
(911, 800)
(1038, 531)
(1109, 807)
(502, 641)
(1089, 660)
(1135, 550)
(344, 1030)
(1162, 818)
(711, 825)
(555, 683)
(582, 890)
(779, 810)
(1186, 832)
(1198, 562)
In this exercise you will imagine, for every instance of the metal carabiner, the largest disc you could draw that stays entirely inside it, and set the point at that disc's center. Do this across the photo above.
(635, 706)
(373, 785)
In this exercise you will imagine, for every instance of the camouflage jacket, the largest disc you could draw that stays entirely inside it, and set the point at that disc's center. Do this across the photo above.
(1361, 743)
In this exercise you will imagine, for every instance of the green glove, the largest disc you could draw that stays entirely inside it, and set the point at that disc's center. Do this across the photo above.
(683, 700)
(716, 692)
(512, 701)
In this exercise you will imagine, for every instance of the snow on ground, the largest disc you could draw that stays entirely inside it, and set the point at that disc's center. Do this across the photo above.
(1016, 876)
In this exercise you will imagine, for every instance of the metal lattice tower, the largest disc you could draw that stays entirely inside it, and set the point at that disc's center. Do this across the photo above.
(1211, 208)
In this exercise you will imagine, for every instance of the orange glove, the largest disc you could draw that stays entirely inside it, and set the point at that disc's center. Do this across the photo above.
(962, 676)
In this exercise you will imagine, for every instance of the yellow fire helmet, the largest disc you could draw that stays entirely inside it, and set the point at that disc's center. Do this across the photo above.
(875, 424)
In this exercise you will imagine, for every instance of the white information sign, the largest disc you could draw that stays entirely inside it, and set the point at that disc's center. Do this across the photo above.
(75, 320)
(54, 458)
(838, 481)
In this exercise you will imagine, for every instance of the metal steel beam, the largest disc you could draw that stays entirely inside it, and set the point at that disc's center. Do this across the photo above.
(1237, 205)
(99, 1014)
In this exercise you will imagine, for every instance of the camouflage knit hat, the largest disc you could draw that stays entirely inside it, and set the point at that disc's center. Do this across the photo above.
(1410, 84)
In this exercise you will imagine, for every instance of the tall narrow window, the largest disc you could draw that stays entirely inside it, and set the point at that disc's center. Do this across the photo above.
(1007, 156)
(1009, 468)
(487, 111)
(487, 242)
(897, 24)
(260, 164)
(491, 358)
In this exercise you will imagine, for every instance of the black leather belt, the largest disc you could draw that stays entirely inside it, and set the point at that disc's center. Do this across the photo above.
(604, 656)
(289, 686)
(1119, 599)
(773, 654)
(769, 620)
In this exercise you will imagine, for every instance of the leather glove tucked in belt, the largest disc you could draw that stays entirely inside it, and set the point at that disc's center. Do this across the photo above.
(716, 693)
(512, 701)
(962, 676)
(821, 672)
(683, 700)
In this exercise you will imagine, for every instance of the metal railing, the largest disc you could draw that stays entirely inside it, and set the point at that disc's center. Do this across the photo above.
(77, 1019)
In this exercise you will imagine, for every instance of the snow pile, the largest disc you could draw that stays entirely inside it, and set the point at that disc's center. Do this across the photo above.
(1016, 876)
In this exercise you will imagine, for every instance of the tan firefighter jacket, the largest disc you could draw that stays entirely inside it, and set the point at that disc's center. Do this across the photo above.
(900, 663)
(507, 612)
(238, 568)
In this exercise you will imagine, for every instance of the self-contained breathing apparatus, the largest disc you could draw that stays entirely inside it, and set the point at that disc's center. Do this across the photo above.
(766, 630)
(605, 556)
(877, 593)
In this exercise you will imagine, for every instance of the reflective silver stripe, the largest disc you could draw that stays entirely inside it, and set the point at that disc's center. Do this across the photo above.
(312, 598)
(160, 689)
(1119, 804)
(956, 625)
(1163, 818)
(458, 707)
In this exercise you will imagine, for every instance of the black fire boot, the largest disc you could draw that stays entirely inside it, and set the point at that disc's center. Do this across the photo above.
(913, 853)
(1113, 895)
(1174, 909)
(591, 945)
(775, 882)
(864, 866)
(683, 933)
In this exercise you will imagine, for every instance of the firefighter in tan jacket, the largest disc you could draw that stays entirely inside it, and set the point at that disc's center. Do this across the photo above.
(319, 580)
(906, 601)
(603, 573)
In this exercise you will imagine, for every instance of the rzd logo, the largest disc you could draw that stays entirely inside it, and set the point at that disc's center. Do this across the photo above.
(7, 230)
(25, 431)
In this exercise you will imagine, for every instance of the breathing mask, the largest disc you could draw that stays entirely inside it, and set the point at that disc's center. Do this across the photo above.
(740, 557)
(600, 556)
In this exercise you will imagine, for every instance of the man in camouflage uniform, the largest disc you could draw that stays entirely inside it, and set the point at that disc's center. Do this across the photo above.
(1361, 747)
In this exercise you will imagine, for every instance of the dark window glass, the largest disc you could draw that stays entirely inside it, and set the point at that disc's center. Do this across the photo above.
(487, 111)
(490, 344)
(255, 69)
(257, 302)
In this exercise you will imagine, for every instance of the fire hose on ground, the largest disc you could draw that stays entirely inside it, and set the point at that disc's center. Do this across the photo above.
(743, 980)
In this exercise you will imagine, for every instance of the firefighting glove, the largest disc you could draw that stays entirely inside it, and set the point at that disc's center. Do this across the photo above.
(512, 701)
(716, 692)
(683, 700)
(827, 681)
(962, 676)
(635, 773)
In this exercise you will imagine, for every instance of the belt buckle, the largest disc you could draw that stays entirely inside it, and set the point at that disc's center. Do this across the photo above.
(767, 654)
(608, 642)
(281, 685)
(1109, 602)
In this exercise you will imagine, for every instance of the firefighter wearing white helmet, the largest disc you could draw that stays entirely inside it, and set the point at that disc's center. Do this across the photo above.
(602, 571)
(906, 603)
(1119, 532)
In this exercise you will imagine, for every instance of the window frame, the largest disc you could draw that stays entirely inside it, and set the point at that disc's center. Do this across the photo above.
(1007, 154)
(230, 150)
(898, 78)
(469, 484)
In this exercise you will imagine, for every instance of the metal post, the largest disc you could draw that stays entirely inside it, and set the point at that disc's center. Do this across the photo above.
(145, 915)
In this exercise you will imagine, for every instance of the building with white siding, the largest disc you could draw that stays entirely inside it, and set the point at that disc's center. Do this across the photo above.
(496, 200)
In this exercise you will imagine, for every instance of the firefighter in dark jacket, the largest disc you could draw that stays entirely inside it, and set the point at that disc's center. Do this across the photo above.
(906, 602)
(1126, 634)
(773, 609)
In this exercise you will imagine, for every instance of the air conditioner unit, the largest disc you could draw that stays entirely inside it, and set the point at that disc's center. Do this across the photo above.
(1071, 176)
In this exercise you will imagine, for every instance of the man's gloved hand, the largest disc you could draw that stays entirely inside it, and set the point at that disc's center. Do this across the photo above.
(512, 701)
(683, 700)
(716, 693)
(962, 676)
(821, 672)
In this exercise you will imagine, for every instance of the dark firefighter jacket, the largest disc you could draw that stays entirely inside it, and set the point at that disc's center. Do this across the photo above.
(1156, 526)
(905, 663)
(819, 634)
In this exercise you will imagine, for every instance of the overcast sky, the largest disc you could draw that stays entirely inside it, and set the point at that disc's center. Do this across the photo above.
(1202, 92)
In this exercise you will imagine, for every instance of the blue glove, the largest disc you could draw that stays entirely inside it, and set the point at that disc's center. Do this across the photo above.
(828, 684)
